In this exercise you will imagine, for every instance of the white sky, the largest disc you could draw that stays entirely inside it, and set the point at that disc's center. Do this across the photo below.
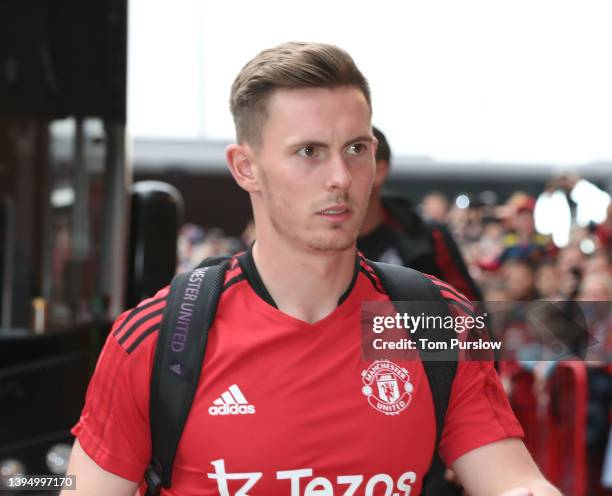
(478, 80)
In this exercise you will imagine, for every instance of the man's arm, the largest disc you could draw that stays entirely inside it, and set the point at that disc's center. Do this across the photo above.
(92, 480)
(499, 468)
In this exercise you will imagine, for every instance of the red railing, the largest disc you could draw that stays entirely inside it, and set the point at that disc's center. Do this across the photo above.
(555, 422)
(525, 405)
(566, 424)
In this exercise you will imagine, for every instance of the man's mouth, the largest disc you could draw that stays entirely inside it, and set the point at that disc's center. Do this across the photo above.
(335, 209)
(332, 211)
(337, 212)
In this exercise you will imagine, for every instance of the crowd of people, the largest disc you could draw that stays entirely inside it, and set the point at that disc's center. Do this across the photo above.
(514, 264)
(512, 261)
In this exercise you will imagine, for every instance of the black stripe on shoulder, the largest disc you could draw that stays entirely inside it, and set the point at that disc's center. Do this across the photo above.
(234, 280)
(138, 323)
(461, 306)
(450, 289)
(142, 337)
(135, 311)
(372, 279)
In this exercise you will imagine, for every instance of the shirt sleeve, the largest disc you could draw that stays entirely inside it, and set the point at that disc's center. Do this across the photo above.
(114, 425)
(478, 409)
(478, 412)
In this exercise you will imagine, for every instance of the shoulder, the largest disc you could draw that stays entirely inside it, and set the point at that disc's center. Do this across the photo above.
(410, 276)
(140, 324)
(453, 296)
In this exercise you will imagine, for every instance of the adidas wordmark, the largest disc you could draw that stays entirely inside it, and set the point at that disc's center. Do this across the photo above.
(232, 402)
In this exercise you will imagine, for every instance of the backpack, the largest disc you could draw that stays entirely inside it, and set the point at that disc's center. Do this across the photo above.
(176, 367)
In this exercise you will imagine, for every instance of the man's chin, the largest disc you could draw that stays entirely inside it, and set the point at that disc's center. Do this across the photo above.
(334, 243)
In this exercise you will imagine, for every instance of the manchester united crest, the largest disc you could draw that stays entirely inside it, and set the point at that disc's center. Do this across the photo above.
(387, 387)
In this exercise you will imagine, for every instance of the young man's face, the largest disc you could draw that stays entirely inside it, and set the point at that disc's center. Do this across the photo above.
(315, 167)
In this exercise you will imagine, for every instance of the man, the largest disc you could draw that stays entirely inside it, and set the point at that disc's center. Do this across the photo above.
(285, 343)
(435, 206)
(393, 232)
(523, 242)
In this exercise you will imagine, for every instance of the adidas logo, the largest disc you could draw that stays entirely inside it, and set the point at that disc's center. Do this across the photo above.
(232, 402)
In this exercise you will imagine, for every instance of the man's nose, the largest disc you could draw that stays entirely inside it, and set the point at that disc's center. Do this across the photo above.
(339, 175)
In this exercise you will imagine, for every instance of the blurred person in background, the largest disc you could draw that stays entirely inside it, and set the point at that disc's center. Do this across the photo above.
(495, 290)
(218, 243)
(466, 221)
(247, 238)
(522, 241)
(571, 261)
(434, 206)
(487, 252)
(520, 280)
(596, 287)
(597, 264)
(547, 281)
(190, 239)
(501, 314)
(571, 257)
(394, 232)
(491, 245)
(195, 244)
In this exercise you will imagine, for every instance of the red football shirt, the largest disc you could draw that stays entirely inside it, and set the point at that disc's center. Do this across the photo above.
(284, 407)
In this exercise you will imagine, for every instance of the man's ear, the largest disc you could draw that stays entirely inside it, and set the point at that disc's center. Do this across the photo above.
(240, 160)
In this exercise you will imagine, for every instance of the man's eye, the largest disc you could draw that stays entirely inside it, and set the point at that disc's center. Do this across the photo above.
(307, 151)
(356, 148)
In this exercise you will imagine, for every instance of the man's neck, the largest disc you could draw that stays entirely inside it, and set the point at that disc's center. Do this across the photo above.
(306, 285)
(374, 216)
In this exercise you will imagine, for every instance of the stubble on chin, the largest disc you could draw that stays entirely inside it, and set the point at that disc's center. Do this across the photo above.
(338, 241)
(331, 244)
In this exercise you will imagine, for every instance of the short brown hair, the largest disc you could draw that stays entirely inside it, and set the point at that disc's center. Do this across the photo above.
(288, 66)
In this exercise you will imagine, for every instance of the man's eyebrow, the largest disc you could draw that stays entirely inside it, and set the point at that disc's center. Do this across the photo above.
(321, 144)
(300, 144)
(369, 139)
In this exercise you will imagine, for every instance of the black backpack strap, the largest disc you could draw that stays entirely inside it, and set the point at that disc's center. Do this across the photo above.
(189, 313)
(406, 288)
